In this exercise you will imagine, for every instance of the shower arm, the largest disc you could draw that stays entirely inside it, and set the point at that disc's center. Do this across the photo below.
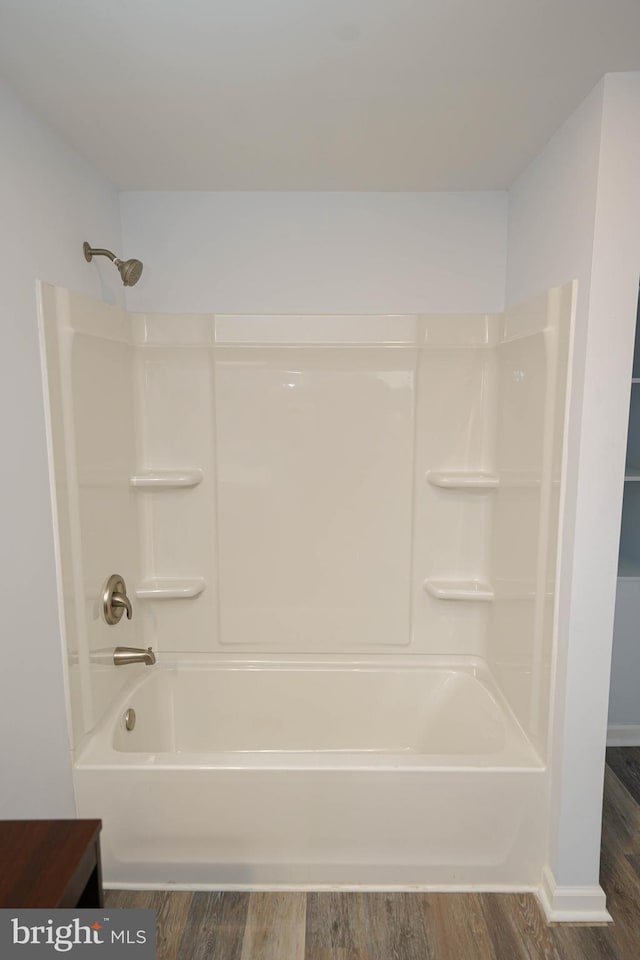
(90, 252)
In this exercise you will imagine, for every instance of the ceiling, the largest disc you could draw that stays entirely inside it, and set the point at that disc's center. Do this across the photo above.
(312, 94)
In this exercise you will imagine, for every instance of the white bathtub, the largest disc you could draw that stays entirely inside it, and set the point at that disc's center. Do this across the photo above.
(313, 774)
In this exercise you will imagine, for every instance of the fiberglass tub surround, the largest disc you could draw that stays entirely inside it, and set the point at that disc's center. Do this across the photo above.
(339, 536)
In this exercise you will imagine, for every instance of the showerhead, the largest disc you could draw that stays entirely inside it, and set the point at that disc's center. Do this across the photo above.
(130, 270)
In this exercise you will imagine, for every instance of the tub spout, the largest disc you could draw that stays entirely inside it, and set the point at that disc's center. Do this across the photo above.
(124, 655)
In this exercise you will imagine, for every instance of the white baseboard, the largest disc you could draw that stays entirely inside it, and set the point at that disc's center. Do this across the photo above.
(510, 888)
(572, 904)
(623, 735)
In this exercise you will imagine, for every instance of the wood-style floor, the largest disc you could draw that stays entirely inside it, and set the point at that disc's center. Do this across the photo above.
(413, 926)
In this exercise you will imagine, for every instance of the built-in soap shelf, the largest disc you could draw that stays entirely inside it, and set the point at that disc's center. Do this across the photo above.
(632, 473)
(471, 480)
(160, 588)
(466, 590)
(166, 479)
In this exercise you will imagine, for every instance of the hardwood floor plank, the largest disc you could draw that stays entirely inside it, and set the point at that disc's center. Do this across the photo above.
(275, 927)
(376, 926)
(456, 926)
(334, 953)
(530, 922)
(117, 899)
(503, 928)
(621, 816)
(622, 887)
(625, 763)
(129, 899)
(327, 926)
(634, 863)
(586, 943)
(172, 911)
(215, 926)
(395, 927)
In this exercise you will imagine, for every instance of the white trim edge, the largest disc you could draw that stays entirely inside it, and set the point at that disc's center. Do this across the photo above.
(509, 888)
(623, 735)
(572, 904)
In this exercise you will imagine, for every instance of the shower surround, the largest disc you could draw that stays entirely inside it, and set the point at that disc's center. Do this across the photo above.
(339, 535)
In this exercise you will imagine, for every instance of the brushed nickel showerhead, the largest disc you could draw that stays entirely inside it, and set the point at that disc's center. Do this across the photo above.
(130, 270)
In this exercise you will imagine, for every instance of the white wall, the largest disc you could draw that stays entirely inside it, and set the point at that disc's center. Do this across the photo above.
(575, 213)
(317, 252)
(51, 201)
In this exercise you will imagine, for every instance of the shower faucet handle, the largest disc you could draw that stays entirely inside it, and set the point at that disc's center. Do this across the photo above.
(115, 600)
(122, 600)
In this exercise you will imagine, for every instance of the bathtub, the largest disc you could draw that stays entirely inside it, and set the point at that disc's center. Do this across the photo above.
(314, 774)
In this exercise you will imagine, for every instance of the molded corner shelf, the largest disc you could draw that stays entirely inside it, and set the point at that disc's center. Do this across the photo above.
(631, 473)
(463, 480)
(459, 590)
(166, 479)
(159, 588)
